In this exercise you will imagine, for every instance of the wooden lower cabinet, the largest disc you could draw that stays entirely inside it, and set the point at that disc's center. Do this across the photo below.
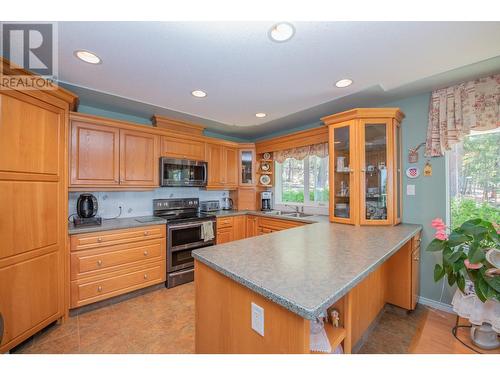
(225, 235)
(268, 225)
(31, 296)
(231, 228)
(404, 266)
(235, 228)
(252, 225)
(110, 263)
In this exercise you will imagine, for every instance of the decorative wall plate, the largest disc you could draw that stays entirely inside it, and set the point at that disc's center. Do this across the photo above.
(265, 179)
(266, 156)
(266, 167)
(412, 172)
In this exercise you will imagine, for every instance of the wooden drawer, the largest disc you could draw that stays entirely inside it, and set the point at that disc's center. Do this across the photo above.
(94, 289)
(224, 222)
(90, 262)
(115, 237)
(276, 224)
(225, 235)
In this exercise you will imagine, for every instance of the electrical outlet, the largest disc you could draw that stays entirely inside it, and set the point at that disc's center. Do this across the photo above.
(258, 319)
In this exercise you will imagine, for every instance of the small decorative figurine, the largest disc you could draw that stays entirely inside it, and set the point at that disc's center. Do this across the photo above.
(335, 316)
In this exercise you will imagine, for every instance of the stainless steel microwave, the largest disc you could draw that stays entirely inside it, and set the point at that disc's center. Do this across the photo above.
(181, 172)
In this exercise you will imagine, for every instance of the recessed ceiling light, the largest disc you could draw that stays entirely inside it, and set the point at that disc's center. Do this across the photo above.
(199, 93)
(88, 57)
(344, 83)
(260, 115)
(281, 32)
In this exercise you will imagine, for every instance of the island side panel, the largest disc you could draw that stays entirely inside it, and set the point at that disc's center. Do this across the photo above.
(223, 319)
(367, 299)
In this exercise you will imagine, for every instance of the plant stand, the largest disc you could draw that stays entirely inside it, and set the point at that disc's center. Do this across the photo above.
(484, 317)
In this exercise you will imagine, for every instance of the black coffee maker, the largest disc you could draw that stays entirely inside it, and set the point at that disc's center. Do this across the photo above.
(86, 209)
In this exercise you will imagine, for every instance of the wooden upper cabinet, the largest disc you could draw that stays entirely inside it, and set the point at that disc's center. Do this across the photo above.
(30, 135)
(109, 154)
(365, 166)
(179, 148)
(231, 167)
(222, 167)
(215, 160)
(138, 158)
(94, 154)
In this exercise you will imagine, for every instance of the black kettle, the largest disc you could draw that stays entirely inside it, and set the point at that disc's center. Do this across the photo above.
(86, 206)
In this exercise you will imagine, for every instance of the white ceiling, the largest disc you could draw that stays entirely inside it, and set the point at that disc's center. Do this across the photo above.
(244, 72)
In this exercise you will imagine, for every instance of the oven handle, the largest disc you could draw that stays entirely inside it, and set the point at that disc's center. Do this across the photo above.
(182, 226)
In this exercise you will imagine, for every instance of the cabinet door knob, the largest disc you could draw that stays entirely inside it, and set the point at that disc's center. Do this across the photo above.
(146, 253)
(99, 262)
(99, 239)
(145, 276)
(99, 288)
(146, 233)
(416, 258)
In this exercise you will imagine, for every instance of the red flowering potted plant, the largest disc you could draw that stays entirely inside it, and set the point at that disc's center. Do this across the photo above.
(464, 252)
(470, 260)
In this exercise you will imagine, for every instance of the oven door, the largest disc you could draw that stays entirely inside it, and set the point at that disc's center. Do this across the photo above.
(182, 239)
(179, 172)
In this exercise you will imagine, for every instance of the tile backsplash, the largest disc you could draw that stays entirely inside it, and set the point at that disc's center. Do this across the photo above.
(140, 203)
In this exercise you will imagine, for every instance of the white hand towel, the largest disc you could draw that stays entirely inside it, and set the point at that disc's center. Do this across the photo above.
(207, 231)
(319, 340)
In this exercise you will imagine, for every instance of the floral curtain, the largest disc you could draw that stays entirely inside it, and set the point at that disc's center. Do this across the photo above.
(455, 111)
(300, 153)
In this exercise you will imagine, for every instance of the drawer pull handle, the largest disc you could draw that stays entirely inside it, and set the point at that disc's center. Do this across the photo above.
(145, 276)
(99, 262)
(99, 288)
(146, 253)
(99, 239)
(146, 233)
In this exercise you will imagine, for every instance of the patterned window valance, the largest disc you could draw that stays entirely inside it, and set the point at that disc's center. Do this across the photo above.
(455, 111)
(299, 153)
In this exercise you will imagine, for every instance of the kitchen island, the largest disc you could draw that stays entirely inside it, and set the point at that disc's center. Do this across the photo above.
(297, 274)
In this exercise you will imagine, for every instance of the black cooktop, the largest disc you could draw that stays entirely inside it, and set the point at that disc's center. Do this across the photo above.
(184, 217)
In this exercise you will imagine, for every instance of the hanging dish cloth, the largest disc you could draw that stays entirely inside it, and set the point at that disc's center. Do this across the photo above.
(207, 231)
(319, 340)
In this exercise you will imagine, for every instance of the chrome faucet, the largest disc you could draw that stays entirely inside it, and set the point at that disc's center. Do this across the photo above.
(297, 208)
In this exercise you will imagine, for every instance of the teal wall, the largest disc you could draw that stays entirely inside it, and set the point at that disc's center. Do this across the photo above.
(430, 199)
(114, 115)
(429, 202)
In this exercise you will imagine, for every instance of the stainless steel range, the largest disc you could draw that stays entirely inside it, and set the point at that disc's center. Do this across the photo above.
(187, 229)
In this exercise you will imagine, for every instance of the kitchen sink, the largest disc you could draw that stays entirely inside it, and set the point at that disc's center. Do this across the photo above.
(295, 214)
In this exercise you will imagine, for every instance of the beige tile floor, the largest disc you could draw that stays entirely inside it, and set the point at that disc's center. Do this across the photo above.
(162, 321)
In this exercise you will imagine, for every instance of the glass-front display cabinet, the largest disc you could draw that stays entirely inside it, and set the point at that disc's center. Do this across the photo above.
(247, 167)
(365, 166)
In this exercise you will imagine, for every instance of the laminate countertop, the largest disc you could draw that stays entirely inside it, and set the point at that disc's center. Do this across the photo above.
(122, 223)
(308, 219)
(308, 268)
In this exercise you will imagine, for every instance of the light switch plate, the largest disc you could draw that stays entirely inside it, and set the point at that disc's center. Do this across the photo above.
(258, 319)
(410, 189)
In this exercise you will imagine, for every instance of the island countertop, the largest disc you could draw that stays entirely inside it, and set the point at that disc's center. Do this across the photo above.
(307, 269)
